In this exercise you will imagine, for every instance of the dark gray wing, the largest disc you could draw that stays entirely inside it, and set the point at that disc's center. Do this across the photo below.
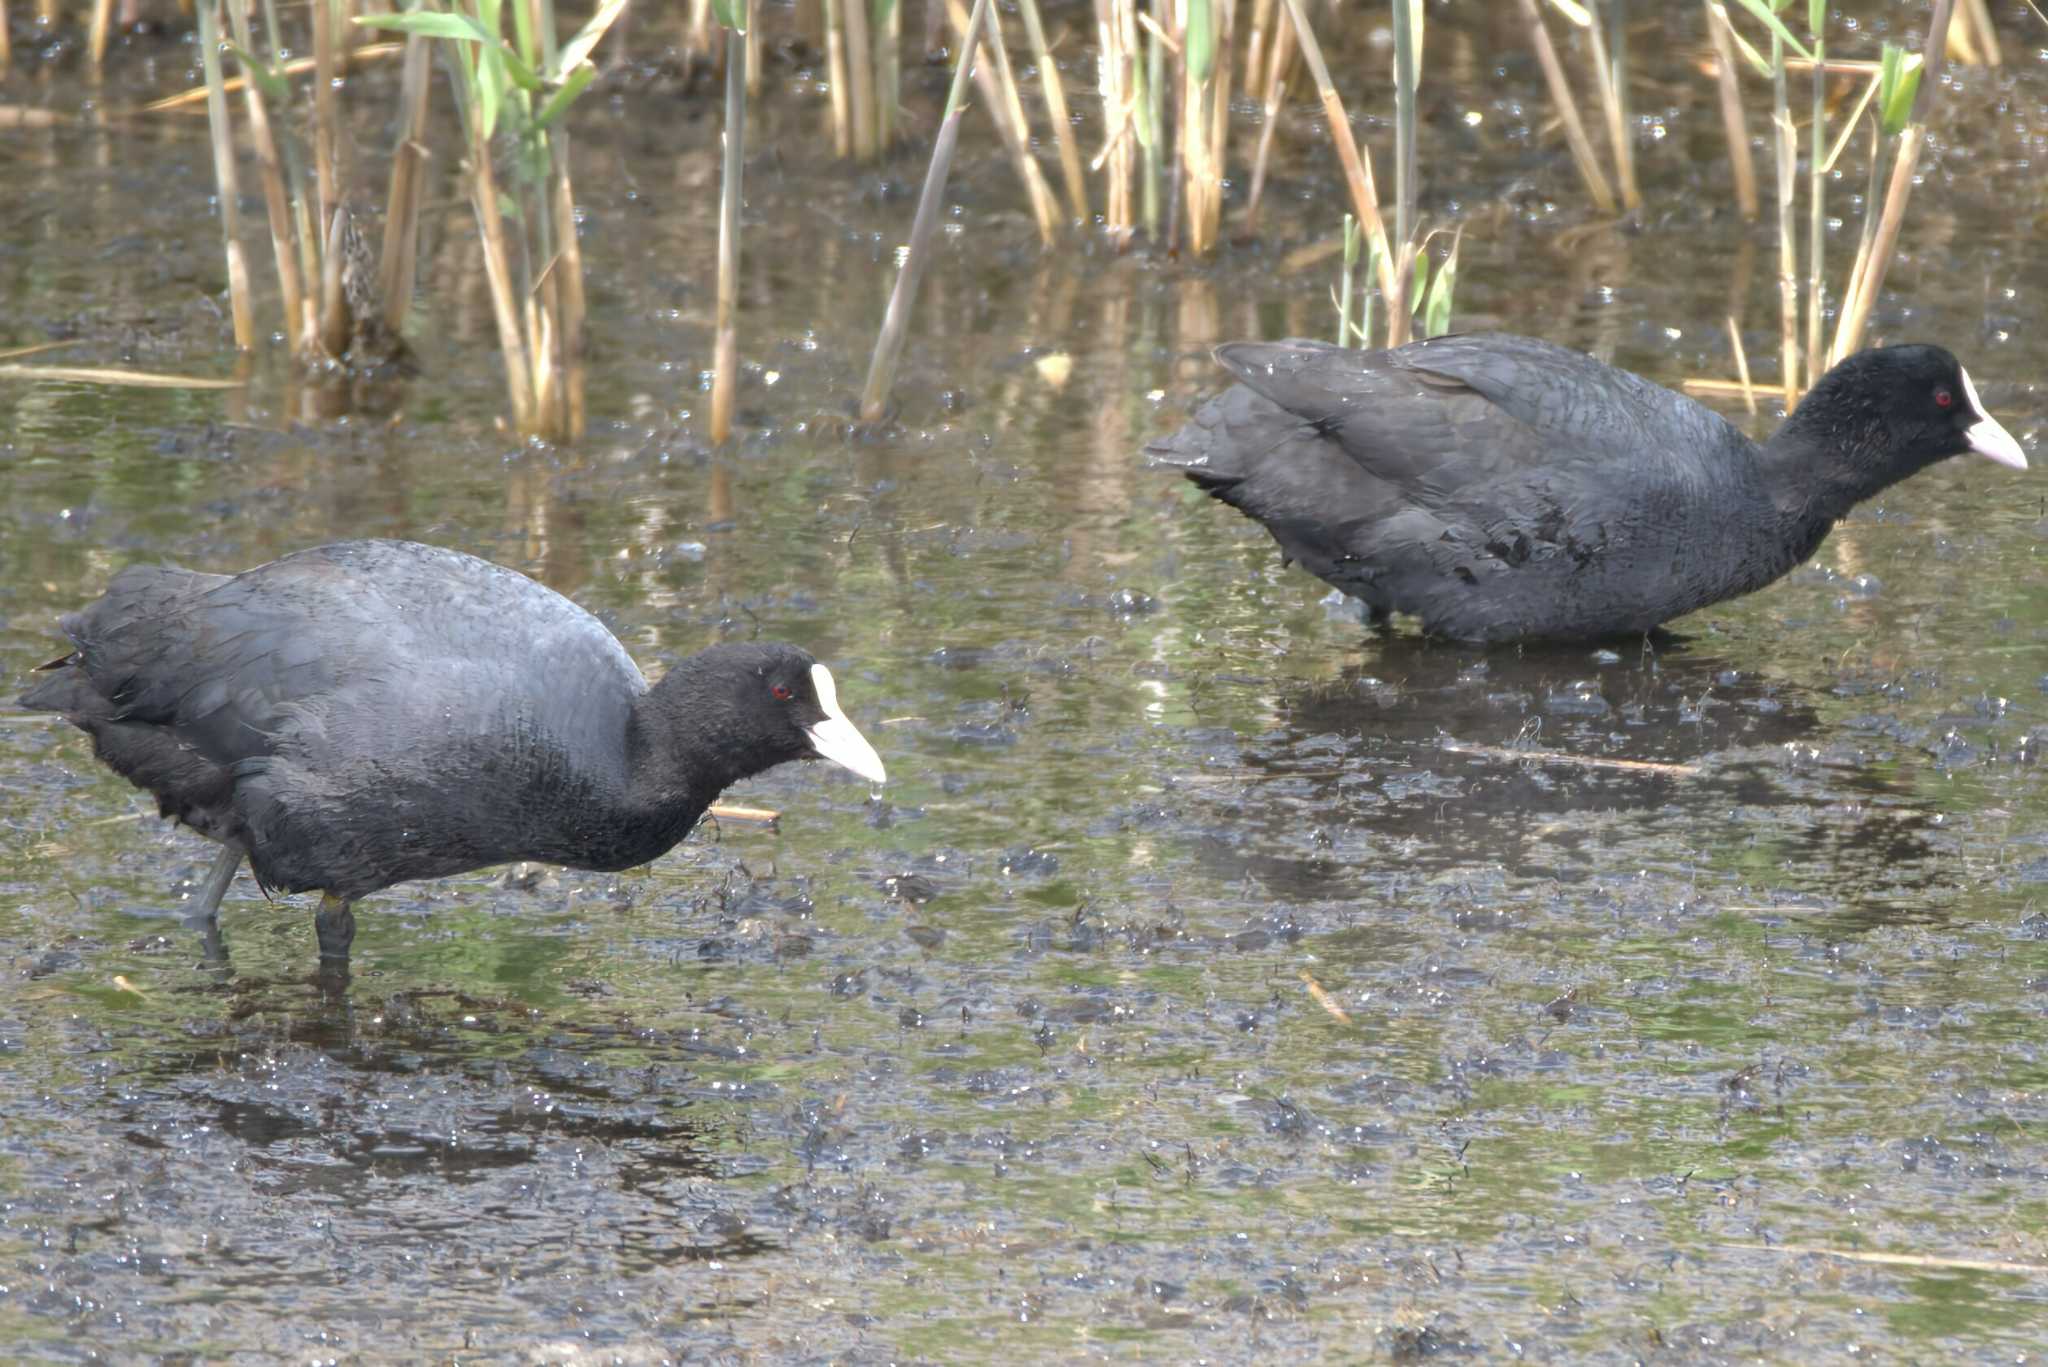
(1450, 417)
(1494, 485)
(341, 686)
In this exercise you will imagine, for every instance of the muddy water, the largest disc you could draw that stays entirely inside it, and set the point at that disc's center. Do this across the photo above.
(1212, 979)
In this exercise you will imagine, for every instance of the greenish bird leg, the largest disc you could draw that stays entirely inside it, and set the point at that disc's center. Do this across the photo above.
(335, 924)
(216, 885)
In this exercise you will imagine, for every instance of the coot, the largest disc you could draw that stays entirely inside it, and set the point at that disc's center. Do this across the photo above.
(368, 712)
(1502, 488)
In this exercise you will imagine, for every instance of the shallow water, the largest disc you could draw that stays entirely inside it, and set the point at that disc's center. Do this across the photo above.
(1213, 978)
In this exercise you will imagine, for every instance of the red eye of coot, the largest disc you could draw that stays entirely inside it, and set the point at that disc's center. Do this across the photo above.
(1944, 397)
(780, 692)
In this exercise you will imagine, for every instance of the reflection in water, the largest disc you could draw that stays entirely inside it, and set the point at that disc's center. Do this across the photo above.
(1414, 758)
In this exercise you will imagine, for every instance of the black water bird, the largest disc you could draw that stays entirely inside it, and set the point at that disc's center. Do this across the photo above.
(1502, 488)
(369, 712)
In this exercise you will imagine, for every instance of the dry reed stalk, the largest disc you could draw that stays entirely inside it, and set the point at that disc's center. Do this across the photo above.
(753, 48)
(1114, 70)
(6, 41)
(297, 66)
(1152, 113)
(1407, 73)
(398, 263)
(1732, 120)
(835, 76)
(1515, 756)
(1869, 277)
(923, 228)
(129, 379)
(276, 201)
(1356, 162)
(1006, 109)
(333, 303)
(10, 353)
(1219, 111)
(1201, 177)
(1173, 154)
(748, 816)
(1742, 365)
(47, 13)
(1987, 32)
(1855, 314)
(102, 26)
(573, 306)
(1816, 211)
(1111, 66)
(1785, 146)
(1608, 76)
(1971, 39)
(1918, 1260)
(860, 75)
(1275, 85)
(1568, 110)
(1865, 239)
(696, 33)
(726, 349)
(1055, 110)
(304, 234)
(326, 115)
(1324, 999)
(1256, 61)
(490, 222)
(224, 178)
(888, 73)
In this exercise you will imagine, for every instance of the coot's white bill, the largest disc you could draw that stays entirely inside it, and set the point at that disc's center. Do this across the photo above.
(1986, 437)
(838, 739)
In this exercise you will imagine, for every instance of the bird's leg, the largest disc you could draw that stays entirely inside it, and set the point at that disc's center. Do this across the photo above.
(216, 885)
(335, 924)
(205, 917)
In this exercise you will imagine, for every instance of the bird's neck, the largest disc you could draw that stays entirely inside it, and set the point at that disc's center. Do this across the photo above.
(664, 729)
(1826, 457)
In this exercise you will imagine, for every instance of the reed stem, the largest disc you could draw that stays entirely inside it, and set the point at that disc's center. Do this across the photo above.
(835, 69)
(860, 71)
(261, 140)
(1056, 110)
(1116, 70)
(1816, 206)
(1786, 145)
(888, 73)
(923, 229)
(1869, 278)
(1357, 163)
(1152, 100)
(1609, 76)
(1568, 110)
(398, 264)
(483, 196)
(224, 178)
(1275, 85)
(102, 26)
(1405, 72)
(725, 349)
(1006, 109)
(1732, 120)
